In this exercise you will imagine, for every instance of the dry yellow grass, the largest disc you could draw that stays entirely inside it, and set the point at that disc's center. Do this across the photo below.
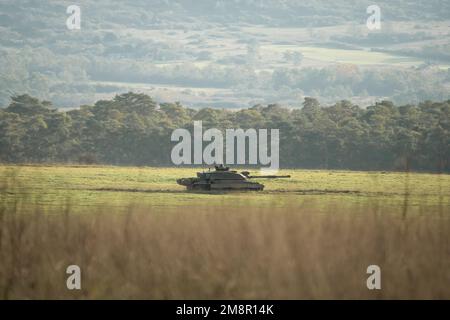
(177, 245)
(213, 253)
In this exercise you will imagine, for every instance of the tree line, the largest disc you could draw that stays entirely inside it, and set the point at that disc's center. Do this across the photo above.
(133, 129)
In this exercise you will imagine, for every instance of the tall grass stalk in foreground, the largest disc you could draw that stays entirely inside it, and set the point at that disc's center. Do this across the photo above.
(224, 253)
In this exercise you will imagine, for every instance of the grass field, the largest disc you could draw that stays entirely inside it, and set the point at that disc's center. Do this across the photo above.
(136, 234)
(87, 186)
(357, 57)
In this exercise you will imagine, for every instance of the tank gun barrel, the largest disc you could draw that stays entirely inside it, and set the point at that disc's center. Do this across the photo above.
(268, 177)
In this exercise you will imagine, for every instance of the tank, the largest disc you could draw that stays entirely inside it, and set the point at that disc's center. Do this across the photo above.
(222, 178)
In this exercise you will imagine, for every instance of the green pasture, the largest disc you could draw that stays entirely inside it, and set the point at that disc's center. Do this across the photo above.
(83, 188)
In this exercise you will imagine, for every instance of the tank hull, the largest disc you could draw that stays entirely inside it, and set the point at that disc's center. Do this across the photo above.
(222, 178)
(225, 186)
(217, 185)
(236, 186)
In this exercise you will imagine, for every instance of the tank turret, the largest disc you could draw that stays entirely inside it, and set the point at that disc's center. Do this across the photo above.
(222, 178)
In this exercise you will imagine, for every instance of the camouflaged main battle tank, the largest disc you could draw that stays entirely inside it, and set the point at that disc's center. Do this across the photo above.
(222, 178)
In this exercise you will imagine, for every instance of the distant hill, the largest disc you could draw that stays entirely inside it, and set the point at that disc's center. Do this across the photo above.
(224, 53)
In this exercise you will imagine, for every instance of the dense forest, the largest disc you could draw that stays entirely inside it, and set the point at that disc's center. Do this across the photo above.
(133, 129)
